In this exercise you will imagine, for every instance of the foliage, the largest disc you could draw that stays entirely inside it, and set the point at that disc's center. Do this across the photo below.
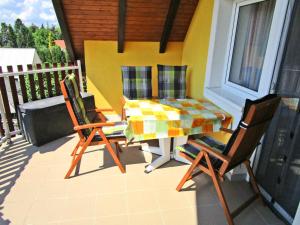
(41, 38)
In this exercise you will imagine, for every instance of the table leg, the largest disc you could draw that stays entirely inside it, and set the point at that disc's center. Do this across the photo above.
(164, 144)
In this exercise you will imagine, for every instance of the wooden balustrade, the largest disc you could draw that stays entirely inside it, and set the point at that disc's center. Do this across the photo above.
(36, 82)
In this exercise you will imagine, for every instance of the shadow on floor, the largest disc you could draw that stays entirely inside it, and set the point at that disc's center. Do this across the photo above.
(210, 211)
(129, 155)
(15, 157)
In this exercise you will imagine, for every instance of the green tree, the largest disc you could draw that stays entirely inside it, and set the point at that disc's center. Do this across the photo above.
(24, 37)
(12, 40)
(41, 38)
(7, 36)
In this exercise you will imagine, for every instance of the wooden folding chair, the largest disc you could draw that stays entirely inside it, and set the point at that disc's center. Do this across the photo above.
(216, 159)
(98, 133)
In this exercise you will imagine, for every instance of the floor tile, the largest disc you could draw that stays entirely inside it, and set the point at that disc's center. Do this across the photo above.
(150, 218)
(43, 212)
(111, 205)
(79, 208)
(142, 201)
(171, 199)
(112, 220)
(184, 216)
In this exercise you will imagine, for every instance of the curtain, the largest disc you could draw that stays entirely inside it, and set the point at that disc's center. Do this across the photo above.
(252, 34)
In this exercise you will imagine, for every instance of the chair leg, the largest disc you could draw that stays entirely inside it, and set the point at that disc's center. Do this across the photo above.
(189, 172)
(115, 157)
(77, 159)
(118, 148)
(76, 148)
(253, 180)
(111, 151)
(219, 190)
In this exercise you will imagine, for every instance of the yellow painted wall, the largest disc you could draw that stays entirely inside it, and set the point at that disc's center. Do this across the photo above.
(196, 45)
(103, 63)
(103, 66)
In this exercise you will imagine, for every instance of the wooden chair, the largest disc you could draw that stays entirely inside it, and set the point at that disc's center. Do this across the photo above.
(98, 133)
(216, 159)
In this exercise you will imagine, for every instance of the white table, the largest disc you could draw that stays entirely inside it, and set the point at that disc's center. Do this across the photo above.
(164, 151)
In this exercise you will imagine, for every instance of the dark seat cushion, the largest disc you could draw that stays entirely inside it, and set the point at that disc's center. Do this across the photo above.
(210, 142)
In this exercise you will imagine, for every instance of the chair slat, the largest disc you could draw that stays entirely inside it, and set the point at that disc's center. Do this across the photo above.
(6, 103)
(31, 83)
(22, 84)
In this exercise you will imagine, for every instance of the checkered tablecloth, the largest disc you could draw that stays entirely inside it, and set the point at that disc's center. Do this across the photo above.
(153, 119)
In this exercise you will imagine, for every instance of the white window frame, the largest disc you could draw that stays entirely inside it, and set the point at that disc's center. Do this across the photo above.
(270, 55)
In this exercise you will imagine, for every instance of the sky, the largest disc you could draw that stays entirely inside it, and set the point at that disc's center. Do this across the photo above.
(37, 12)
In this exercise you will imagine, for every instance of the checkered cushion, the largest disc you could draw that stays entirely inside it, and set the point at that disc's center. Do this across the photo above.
(191, 151)
(137, 82)
(171, 81)
(77, 102)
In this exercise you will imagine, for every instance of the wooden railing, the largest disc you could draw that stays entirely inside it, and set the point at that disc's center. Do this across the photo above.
(36, 82)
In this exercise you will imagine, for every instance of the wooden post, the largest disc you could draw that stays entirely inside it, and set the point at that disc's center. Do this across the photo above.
(56, 81)
(31, 83)
(13, 87)
(48, 78)
(41, 82)
(63, 72)
(22, 84)
(6, 107)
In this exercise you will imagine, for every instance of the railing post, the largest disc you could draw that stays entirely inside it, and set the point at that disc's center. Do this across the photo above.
(7, 135)
(80, 76)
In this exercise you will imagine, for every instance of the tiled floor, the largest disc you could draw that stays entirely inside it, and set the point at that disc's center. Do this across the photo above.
(33, 191)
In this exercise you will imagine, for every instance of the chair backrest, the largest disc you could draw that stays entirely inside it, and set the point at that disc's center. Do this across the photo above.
(75, 103)
(255, 120)
(137, 82)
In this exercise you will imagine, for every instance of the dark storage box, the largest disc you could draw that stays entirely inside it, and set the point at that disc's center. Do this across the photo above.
(48, 119)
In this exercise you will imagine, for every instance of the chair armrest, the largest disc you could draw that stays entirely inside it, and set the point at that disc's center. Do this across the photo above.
(93, 125)
(97, 110)
(226, 130)
(209, 150)
(104, 110)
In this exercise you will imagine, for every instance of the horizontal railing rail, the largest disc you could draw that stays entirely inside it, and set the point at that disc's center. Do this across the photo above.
(32, 83)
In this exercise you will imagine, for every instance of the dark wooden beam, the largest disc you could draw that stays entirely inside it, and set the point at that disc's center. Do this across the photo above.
(174, 4)
(58, 7)
(121, 25)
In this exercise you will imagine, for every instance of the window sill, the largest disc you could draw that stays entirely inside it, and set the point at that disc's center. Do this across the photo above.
(231, 103)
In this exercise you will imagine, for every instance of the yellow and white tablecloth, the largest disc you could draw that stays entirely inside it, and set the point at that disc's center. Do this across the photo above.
(160, 118)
